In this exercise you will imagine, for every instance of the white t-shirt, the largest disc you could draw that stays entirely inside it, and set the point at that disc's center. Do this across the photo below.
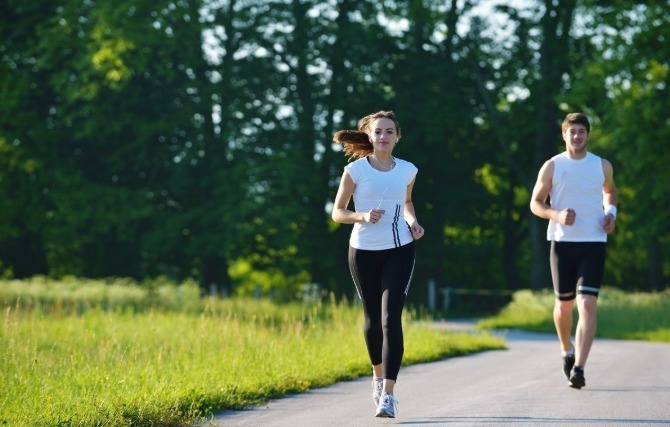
(578, 184)
(384, 190)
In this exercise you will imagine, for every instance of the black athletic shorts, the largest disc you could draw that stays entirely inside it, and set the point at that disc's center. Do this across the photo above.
(577, 268)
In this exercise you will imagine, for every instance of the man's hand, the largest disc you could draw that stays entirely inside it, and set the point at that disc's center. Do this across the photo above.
(609, 223)
(567, 216)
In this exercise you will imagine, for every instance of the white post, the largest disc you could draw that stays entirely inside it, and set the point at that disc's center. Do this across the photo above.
(432, 295)
(446, 298)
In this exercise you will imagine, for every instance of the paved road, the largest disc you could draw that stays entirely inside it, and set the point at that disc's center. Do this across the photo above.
(627, 384)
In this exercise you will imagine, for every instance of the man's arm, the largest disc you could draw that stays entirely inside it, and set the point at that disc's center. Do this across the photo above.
(538, 201)
(610, 197)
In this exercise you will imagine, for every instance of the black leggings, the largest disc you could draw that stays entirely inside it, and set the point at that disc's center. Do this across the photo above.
(382, 280)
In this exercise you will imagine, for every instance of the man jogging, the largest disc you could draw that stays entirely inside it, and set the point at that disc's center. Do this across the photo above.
(581, 213)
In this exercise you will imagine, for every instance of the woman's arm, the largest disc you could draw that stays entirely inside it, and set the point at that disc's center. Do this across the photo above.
(410, 214)
(345, 216)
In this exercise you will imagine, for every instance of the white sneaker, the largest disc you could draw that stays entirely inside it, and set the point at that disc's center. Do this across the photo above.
(377, 389)
(388, 406)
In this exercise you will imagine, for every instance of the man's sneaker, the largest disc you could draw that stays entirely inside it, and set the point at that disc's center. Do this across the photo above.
(568, 363)
(377, 389)
(388, 406)
(577, 379)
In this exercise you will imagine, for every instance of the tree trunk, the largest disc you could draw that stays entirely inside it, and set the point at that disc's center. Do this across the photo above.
(555, 26)
(654, 266)
(540, 276)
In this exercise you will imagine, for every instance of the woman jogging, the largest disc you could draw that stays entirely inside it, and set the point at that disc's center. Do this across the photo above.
(381, 246)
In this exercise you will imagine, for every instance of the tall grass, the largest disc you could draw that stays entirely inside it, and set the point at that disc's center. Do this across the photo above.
(68, 361)
(622, 315)
(76, 294)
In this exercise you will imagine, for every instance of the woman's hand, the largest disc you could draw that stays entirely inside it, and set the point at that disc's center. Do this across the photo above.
(374, 215)
(417, 231)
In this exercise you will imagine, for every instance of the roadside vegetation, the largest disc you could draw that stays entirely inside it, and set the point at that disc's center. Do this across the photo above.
(621, 315)
(116, 353)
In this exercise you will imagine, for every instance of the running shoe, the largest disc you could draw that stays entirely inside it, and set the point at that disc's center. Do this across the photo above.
(577, 379)
(388, 406)
(568, 363)
(377, 389)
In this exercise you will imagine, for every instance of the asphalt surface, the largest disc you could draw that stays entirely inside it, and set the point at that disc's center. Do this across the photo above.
(627, 384)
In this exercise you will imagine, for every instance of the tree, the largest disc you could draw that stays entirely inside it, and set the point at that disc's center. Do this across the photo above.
(625, 90)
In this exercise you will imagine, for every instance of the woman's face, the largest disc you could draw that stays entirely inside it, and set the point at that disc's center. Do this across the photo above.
(383, 134)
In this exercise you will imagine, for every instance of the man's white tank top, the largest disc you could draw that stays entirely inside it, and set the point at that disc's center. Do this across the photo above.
(578, 184)
(383, 190)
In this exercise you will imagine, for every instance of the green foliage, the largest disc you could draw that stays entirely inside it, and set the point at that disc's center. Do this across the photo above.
(528, 309)
(625, 90)
(72, 295)
(149, 138)
(623, 315)
(639, 315)
(269, 282)
(171, 367)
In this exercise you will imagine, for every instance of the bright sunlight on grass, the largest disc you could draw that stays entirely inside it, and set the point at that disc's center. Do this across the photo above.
(90, 353)
(622, 315)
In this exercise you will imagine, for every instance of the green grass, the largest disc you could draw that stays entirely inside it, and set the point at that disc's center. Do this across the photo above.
(621, 315)
(74, 355)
